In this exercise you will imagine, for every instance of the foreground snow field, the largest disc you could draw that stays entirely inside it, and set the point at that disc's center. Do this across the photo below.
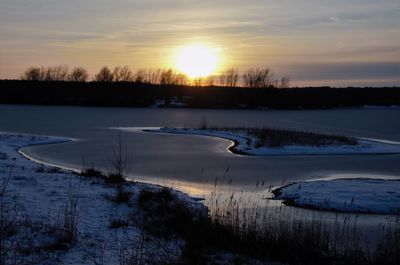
(245, 144)
(381, 196)
(36, 199)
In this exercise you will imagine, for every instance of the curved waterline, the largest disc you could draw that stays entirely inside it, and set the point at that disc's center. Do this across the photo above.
(44, 162)
(239, 144)
(349, 195)
(231, 147)
(178, 187)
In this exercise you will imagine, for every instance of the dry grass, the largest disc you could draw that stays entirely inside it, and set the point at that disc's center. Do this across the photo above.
(271, 137)
(25, 240)
(258, 229)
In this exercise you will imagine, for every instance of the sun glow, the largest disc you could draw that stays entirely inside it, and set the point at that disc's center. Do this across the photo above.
(197, 61)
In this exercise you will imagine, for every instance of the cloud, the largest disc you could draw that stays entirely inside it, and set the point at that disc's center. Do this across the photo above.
(344, 71)
(251, 33)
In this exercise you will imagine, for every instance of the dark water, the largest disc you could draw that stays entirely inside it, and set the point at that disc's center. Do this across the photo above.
(194, 161)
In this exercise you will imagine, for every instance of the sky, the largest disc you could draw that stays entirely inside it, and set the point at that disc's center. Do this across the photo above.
(313, 42)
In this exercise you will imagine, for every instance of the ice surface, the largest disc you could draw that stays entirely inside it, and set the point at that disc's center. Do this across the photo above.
(245, 144)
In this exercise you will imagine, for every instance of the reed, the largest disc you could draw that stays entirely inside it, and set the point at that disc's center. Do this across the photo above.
(274, 137)
(267, 230)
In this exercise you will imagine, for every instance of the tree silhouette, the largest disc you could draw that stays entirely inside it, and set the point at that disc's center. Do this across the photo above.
(154, 76)
(122, 74)
(34, 74)
(254, 77)
(167, 77)
(259, 78)
(210, 80)
(104, 75)
(78, 74)
(140, 76)
(55, 73)
(197, 81)
(229, 78)
(284, 82)
(180, 79)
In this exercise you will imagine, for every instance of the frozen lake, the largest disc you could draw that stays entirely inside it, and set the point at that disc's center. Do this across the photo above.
(193, 162)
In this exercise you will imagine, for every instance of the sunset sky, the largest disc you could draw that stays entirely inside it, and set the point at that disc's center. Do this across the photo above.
(314, 42)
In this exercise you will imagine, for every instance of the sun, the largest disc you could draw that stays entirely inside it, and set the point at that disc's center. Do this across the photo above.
(197, 61)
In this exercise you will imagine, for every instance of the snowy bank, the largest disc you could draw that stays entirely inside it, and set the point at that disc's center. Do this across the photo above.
(243, 143)
(381, 196)
(39, 203)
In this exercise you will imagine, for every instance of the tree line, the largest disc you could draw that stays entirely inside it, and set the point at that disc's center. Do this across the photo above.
(131, 94)
(55, 73)
(253, 77)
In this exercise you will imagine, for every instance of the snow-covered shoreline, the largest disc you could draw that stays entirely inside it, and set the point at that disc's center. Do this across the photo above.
(48, 141)
(39, 193)
(242, 144)
(358, 195)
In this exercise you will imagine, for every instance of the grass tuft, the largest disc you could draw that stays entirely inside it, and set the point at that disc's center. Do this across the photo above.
(270, 137)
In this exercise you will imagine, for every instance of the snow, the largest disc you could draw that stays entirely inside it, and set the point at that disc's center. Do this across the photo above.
(174, 102)
(41, 192)
(380, 196)
(381, 107)
(158, 103)
(242, 143)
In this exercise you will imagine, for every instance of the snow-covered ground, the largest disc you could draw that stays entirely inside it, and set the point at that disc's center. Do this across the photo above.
(36, 196)
(242, 143)
(380, 107)
(174, 102)
(381, 196)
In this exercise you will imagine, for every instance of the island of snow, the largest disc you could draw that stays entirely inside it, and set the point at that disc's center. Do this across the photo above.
(275, 142)
(380, 196)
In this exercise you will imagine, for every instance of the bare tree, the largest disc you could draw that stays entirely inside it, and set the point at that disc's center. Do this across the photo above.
(115, 74)
(105, 75)
(210, 80)
(140, 76)
(198, 81)
(122, 74)
(154, 76)
(259, 78)
(56, 73)
(284, 82)
(61, 72)
(229, 78)
(167, 77)
(78, 74)
(181, 79)
(34, 74)
(232, 77)
(49, 74)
